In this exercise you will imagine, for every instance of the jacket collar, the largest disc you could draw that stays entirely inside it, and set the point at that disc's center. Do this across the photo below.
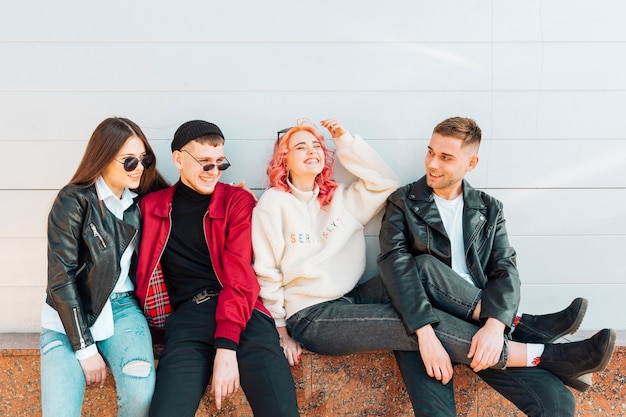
(216, 208)
(421, 192)
(425, 207)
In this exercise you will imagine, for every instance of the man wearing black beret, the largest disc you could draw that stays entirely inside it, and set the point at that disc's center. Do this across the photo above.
(195, 281)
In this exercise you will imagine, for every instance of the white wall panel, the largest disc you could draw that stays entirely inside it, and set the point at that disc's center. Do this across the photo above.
(583, 21)
(241, 115)
(517, 66)
(246, 21)
(558, 66)
(54, 162)
(24, 214)
(554, 163)
(24, 262)
(605, 302)
(559, 114)
(566, 66)
(20, 309)
(551, 260)
(564, 212)
(225, 66)
(559, 21)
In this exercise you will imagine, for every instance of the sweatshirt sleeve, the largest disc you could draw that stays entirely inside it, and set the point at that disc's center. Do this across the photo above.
(268, 245)
(375, 179)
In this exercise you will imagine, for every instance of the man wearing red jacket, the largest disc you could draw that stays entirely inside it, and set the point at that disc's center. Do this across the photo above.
(195, 280)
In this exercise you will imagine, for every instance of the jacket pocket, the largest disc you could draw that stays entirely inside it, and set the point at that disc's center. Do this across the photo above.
(97, 235)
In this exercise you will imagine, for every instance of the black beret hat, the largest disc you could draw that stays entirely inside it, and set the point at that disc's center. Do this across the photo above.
(193, 129)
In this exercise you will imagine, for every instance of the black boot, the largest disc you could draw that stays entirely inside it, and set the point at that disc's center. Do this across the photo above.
(547, 328)
(572, 361)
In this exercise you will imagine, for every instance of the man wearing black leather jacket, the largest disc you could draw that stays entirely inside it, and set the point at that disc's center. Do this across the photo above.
(445, 252)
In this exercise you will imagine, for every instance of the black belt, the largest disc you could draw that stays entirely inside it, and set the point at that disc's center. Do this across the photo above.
(203, 296)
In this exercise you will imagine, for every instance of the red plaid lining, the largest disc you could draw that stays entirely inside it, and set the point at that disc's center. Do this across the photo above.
(157, 306)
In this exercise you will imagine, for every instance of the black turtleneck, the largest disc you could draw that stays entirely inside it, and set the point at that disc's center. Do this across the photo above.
(186, 262)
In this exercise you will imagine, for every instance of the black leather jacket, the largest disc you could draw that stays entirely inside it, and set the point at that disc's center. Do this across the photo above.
(412, 226)
(85, 245)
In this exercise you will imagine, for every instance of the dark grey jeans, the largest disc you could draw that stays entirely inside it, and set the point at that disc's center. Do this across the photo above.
(364, 320)
(536, 392)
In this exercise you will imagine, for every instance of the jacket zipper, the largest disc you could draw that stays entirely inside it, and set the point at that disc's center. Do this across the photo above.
(79, 270)
(97, 234)
(80, 333)
(209, 248)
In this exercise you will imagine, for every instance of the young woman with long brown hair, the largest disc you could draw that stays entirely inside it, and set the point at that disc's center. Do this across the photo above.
(91, 318)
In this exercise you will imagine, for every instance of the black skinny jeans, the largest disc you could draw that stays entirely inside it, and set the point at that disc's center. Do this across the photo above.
(186, 364)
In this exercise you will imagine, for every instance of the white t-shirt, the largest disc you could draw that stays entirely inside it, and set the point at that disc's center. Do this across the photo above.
(451, 212)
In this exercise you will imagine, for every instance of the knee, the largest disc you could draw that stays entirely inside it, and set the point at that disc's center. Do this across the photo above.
(427, 263)
(50, 346)
(138, 369)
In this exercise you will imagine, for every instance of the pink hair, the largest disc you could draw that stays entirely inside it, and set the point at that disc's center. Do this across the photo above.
(277, 169)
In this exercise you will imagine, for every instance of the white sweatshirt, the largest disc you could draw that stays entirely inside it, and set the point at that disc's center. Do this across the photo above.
(306, 255)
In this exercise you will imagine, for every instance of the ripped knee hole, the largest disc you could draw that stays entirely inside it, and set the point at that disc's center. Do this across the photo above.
(137, 368)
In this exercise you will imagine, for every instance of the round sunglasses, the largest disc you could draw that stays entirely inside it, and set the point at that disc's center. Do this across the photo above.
(131, 163)
(223, 166)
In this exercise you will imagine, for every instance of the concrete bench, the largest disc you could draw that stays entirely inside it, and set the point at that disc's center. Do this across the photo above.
(366, 384)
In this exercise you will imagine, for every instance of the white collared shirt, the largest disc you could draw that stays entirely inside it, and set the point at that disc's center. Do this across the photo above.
(103, 328)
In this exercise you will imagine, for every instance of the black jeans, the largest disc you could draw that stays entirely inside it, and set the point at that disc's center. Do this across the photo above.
(186, 364)
(534, 391)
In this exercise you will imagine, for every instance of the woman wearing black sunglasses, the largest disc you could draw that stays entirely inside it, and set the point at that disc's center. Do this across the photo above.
(91, 318)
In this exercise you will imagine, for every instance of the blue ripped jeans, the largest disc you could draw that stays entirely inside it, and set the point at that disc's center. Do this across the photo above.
(128, 353)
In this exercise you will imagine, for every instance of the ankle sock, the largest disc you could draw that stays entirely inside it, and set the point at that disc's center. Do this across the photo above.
(533, 353)
(516, 321)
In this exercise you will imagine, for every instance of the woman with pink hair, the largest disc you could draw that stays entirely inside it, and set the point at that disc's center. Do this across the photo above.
(309, 244)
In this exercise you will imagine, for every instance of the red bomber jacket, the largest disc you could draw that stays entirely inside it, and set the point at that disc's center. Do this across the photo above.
(227, 226)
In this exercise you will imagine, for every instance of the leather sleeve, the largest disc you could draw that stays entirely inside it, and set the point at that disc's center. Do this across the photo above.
(501, 295)
(65, 225)
(397, 267)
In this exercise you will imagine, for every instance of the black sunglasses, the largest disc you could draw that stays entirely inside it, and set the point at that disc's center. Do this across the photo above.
(282, 132)
(131, 163)
(222, 167)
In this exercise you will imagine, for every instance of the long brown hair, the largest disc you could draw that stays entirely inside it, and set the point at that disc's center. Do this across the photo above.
(104, 144)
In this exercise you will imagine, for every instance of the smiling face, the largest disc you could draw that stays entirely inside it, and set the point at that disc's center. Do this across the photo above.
(114, 174)
(191, 172)
(447, 162)
(304, 160)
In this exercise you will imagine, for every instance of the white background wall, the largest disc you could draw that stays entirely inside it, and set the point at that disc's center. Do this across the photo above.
(544, 80)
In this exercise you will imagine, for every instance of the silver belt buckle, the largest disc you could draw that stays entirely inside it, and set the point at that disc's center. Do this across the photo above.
(202, 297)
